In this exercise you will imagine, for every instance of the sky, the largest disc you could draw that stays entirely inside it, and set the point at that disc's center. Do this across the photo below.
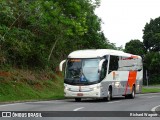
(124, 20)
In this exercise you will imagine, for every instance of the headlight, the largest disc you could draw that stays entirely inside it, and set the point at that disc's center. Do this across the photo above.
(66, 88)
(95, 88)
(91, 89)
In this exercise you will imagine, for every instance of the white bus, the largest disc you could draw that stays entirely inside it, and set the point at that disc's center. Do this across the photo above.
(102, 73)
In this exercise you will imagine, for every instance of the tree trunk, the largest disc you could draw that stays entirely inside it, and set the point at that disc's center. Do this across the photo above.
(52, 49)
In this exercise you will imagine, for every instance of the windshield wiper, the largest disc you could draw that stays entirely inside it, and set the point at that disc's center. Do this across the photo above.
(69, 80)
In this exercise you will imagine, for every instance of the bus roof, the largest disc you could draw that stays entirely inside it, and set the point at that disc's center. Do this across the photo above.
(94, 53)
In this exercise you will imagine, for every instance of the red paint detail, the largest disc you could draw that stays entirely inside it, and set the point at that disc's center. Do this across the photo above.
(134, 56)
(130, 58)
(114, 75)
(131, 80)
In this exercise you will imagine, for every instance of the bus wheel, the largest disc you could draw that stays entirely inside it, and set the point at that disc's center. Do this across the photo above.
(78, 99)
(132, 95)
(109, 97)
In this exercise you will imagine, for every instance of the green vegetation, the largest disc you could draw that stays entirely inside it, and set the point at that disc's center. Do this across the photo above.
(35, 35)
(28, 85)
(150, 90)
(135, 47)
(39, 33)
(149, 49)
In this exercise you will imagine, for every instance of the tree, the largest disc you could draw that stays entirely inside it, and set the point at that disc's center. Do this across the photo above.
(15, 39)
(40, 33)
(152, 64)
(151, 35)
(151, 40)
(135, 47)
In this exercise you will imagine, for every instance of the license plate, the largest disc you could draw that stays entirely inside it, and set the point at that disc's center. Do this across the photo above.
(79, 94)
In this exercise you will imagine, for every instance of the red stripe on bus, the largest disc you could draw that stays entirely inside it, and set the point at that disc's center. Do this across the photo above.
(131, 80)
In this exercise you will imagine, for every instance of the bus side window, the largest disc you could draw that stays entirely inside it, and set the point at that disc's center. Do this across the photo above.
(103, 70)
(113, 65)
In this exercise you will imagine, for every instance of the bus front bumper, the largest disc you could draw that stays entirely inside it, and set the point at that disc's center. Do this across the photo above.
(90, 94)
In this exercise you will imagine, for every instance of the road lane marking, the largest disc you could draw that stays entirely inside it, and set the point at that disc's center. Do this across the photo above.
(78, 109)
(149, 96)
(11, 104)
(152, 96)
(114, 102)
(48, 102)
(154, 108)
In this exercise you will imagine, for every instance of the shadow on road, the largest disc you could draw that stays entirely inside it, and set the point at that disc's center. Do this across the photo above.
(91, 100)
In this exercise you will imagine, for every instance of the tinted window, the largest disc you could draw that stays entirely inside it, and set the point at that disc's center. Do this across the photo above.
(103, 70)
(113, 65)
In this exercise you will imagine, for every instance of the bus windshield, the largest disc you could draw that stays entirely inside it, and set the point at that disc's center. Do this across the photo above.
(82, 71)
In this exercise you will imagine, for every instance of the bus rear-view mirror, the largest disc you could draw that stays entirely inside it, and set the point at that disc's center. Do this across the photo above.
(61, 65)
(100, 65)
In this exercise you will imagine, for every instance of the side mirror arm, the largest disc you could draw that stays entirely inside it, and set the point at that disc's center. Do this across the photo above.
(61, 65)
(100, 65)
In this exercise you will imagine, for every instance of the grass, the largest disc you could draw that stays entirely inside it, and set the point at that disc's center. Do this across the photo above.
(150, 90)
(23, 85)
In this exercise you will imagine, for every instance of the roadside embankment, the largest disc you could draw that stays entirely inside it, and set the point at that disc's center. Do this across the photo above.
(151, 89)
(23, 85)
(18, 85)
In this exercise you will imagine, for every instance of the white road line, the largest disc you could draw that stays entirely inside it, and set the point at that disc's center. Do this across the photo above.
(54, 102)
(114, 102)
(154, 109)
(149, 96)
(78, 109)
(47, 102)
(152, 96)
(11, 104)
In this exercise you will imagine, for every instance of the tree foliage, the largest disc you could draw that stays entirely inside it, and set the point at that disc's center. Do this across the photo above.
(40, 33)
(149, 50)
(152, 62)
(151, 41)
(152, 65)
(135, 47)
(151, 35)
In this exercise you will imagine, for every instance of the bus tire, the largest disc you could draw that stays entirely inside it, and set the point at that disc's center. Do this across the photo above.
(109, 97)
(132, 95)
(78, 99)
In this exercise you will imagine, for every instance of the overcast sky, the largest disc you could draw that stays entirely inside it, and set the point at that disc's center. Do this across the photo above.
(124, 20)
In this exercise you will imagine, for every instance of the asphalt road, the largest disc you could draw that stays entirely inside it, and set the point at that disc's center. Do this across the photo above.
(142, 102)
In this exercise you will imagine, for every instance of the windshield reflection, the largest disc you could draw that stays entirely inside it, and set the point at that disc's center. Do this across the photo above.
(80, 71)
